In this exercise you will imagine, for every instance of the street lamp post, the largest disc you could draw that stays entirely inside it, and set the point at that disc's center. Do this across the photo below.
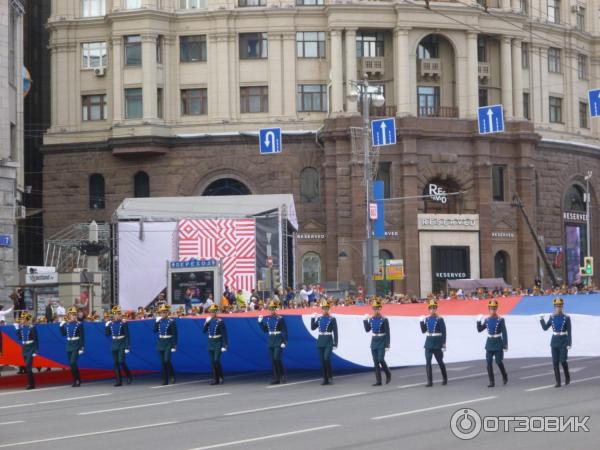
(588, 212)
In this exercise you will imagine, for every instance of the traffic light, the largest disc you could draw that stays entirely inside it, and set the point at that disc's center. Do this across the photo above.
(588, 265)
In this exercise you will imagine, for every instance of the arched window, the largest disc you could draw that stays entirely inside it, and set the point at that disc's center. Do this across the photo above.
(311, 268)
(437, 200)
(501, 265)
(141, 185)
(226, 186)
(309, 185)
(96, 191)
(574, 199)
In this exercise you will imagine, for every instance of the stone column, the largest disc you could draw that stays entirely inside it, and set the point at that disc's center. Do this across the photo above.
(471, 77)
(351, 74)
(571, 97)
(543, 86)
(505, 5)
(289, 74)
(517, 79)
(402, 85)
(116, 70)
(535, 91)
(149, 75)
(515, 5)
(506, 75)
(275, 75)
(337, 78)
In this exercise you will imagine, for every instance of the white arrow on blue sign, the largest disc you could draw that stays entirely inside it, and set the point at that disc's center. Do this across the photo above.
(269, 141)
(594, 102)
(383, 131)
(490, 119)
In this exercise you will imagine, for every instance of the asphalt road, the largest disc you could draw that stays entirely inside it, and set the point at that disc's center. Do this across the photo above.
(351, 414)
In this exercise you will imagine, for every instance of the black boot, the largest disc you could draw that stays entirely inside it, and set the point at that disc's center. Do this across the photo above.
(429, 371)
(215, 380)
(503, 372)
(490, 371)
(75, 374)
(220, 376)
(444, 374)
(165, 374)
(325, 374)
(118, 378)
(128, 377)
(377, 375)
(557, 376)
(282, 373)
(567, 374)
(171, 373)
(276, 377)
(329, 372)
(388, 373)
(30, 380)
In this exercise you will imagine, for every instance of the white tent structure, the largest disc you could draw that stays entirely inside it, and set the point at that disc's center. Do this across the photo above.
(146, 235)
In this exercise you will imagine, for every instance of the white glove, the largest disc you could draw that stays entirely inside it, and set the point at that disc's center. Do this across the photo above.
(335, 347)
(16, 325)
(81, 352)
(444, 347)
(314, 315)
(173, 350)
(127, 350)
(542, 316)
(62, 323)
(387, 350)
(260, 319)
(422, 319)
(208, 319)
(107, 324)
(366, 317)
(34, 355)
(223, 349)
(568, 347)
(506, 349)
(480, 318)
(282, 345)
(158, 319)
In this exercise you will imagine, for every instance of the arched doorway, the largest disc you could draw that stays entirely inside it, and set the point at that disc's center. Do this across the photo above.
(382, 287)
(437, 200)
(311, 268)
(575, 221)
(226, 186)
(501, 269)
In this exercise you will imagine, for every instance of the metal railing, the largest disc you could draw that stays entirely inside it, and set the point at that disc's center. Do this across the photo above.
(438, 111)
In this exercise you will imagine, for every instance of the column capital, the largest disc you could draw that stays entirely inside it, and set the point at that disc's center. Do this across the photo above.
(147, 37)
(401, 30)
(472, 34)
(336, 32)
(506, 39)
(351, 31)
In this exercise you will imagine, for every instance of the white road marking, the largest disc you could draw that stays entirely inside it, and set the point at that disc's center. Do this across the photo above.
(531, 366)
(462, 377)
(288, 405)
(539, 388)
(549, 363)
(538, 375)
(95, 433)
(146, 405)
(180, 384)
(458, 369)
(264, 438)
(432, 408)
(21, 405)
(312, 380)
(35, 391)
(12, 423)
(72, 398)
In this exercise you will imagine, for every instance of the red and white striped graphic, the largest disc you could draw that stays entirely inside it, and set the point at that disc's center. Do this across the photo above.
(231, 240)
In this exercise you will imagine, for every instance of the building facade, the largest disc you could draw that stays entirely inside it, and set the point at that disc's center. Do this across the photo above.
(162, 98)
(11, 140)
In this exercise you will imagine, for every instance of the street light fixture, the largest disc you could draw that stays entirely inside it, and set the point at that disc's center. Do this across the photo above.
(588, 212)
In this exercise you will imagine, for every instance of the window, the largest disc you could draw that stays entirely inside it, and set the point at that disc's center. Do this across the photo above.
(93, 8)
(524, 6)
(192, 48)
(133, 103)
(309, 185)
(254, 99)
(384, 174)
(310, 44)
(133, 4)
(192, 4)
(159, 48)
(554, 60)
(194, 102)
(526, 106)
(428, 98)
(253, 45)
(93, 54)
(133, 50)
(96, 191)
(575, 199)
(12, 47)
(369, 45)
(93, 107)
(554, 11)
(311, 268)
(308, 2)
(252, 3)
(583, 115)
(483, 97)
(555, 109)
(582, 66)
(580, 18)
(311, 97)
(525, 55)
(159, 103)
(481, 49)
(498, 183)
(141, 185)
(429, 47)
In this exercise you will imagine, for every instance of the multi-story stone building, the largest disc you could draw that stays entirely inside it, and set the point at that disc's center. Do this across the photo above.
(11, 140)
(164, 97)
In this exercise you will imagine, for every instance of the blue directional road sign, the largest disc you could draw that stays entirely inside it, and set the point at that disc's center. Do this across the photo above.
(594, 102)
(383, 131)
(269, 141)
(5, 240)
(490, 119)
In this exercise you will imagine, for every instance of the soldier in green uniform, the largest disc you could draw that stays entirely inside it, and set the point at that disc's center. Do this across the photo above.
(380, 341)
(166, 328)
(327, 340)
(215, 327)
(497, 341)
(275, 326)
(73, 329)
(118, 330)
(27, 336)
(434, 328)
(561, 339)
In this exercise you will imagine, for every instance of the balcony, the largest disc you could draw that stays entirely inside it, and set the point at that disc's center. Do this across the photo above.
(431, 67)
(438, 111)
(382, 111)
(483, 70)
(372, 65)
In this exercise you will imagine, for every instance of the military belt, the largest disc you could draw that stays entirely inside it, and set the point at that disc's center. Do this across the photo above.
(378, 334)
(495, 335)
(433, 334)
(325, 333)
(216, 336)
(274, 332)
(560, 333)
(73, 338)
(28, 342)
(166, 336)
(118, 337)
